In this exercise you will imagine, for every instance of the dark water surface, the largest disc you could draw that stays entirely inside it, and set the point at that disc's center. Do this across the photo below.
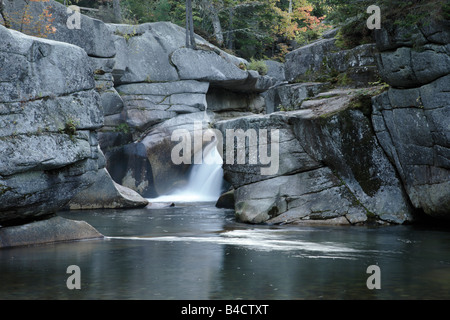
(196, 251)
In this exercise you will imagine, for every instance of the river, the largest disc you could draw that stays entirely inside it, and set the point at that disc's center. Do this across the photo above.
(196, 251)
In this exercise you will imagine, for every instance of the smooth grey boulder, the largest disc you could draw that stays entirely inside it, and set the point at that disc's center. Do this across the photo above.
(206, 65)
(54, 229)
(144, 52)
(93, 35)
(106, 194)
(226, 200)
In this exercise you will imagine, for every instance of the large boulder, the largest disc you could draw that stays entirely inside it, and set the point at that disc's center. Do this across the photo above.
(144, 53)
(323, 61)
(411, 118)
(49, 116)
(408, 67)
(106, 194)
(311, 195)
(156, 52)
(50, 19)
(414, 56)
(310, 57)
(331, 167)
(51, 230)
(412, 126)
(252, 135)
(49, 113)
(342, 138)
(206, 65)
(35, 69)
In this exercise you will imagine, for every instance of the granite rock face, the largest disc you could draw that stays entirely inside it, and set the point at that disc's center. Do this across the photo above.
(330, 166)
(323, 61)
(49, 19)
(411, 119)
(48, 115)
(165, 86)
(50, 112)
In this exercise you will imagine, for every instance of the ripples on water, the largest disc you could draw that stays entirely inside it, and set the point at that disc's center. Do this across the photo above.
(196, 251)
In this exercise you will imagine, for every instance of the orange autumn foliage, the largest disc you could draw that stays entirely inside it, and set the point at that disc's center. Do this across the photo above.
(23, 21)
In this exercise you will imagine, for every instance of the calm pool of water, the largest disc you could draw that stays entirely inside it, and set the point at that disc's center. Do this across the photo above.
(196, 251)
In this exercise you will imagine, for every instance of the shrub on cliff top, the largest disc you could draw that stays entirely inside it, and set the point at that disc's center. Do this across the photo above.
(258, 65)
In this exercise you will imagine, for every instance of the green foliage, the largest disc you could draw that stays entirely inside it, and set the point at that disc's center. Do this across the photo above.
(285, 109)
(408, 12)
(353, 33)
(70, 128)
(142, 11)
(258, 65)
(267, 28)
(446, 11)
(123, 128)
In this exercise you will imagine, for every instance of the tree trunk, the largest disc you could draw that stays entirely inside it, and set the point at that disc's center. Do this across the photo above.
(218, 34)
(212, 13)
(190, 37)
(230, 32)
(188, 43)
(117, 11)
(191, 26)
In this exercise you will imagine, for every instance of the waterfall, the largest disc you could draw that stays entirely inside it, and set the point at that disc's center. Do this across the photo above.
(205, 180)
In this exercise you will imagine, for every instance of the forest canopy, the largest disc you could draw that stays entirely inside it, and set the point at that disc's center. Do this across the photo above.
(263, 29)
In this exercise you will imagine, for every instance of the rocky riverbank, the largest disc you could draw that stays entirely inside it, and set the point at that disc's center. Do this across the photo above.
(86, 121)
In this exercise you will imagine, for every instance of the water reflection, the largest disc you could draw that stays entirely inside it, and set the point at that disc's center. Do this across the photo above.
(200, 252)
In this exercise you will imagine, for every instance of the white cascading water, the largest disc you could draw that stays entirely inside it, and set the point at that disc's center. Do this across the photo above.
(205, 180)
